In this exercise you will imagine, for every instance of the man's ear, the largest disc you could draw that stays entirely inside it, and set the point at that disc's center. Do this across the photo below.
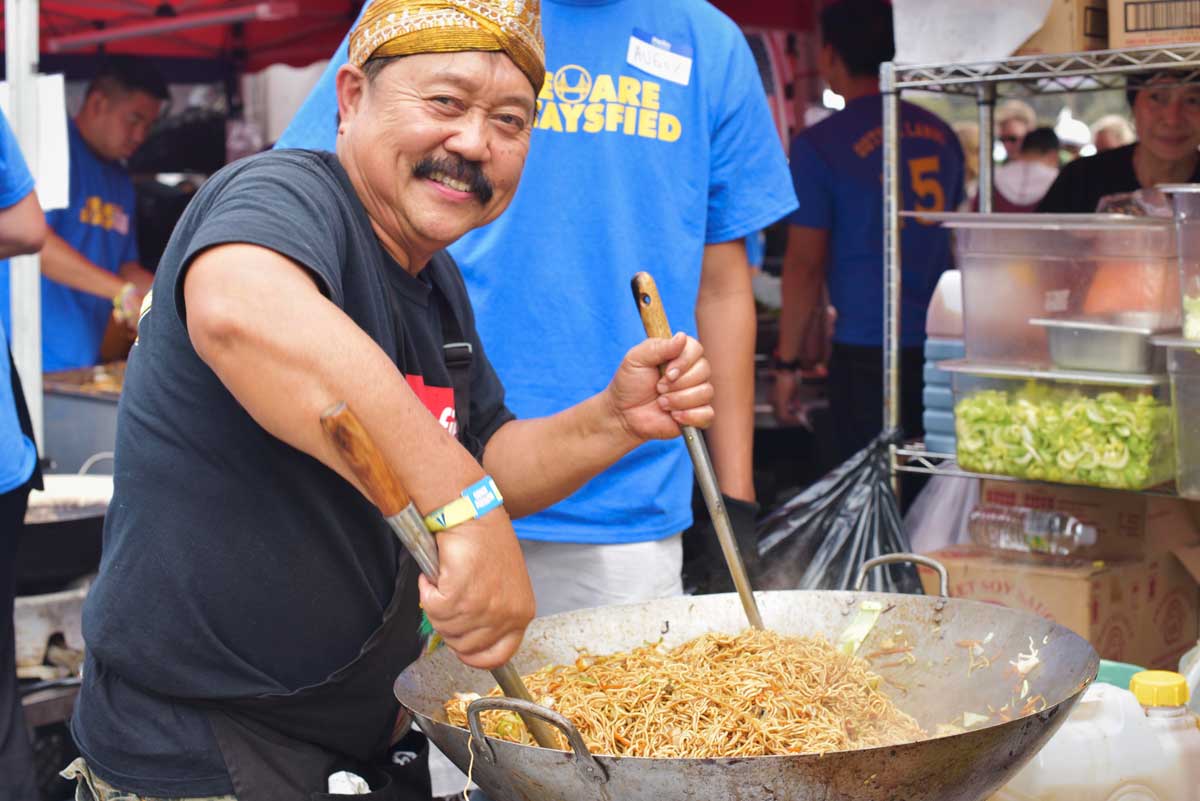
(94, 102)
(351, 83)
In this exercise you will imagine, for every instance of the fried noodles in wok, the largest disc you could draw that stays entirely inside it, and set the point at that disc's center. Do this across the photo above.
(753, 694)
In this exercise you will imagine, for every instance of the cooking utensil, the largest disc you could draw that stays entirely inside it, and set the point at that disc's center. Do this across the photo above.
(936, 687)
(654, 319)
(1110, 342)
(384, 490)
(63, 530)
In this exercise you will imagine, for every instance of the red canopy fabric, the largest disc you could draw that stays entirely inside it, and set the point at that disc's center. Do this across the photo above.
(311, 33)
(795, 15)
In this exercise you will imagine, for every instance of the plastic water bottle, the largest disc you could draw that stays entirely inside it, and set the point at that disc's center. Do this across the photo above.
(1024, 530)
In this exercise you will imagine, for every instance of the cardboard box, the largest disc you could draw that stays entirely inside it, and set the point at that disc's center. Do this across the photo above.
(1144, 23)
(1145, 612)
(1128, 525)
(1071, 26)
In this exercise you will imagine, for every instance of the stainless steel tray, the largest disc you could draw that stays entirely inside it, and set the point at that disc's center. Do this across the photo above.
(1111, 343)
(989, 370)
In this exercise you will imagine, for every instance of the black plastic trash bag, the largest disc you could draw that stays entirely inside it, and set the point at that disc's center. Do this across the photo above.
(820, 538)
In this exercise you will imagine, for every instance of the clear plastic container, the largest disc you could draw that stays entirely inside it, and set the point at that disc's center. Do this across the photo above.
(1185, 201)
(1183, 363)
(1096, 429)
(1021, 267)
(1189, 668)
(1019, 529)
(1139, 744)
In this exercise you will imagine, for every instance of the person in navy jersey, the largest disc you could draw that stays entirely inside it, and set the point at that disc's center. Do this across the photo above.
(654, 150)
(90, 269)
(22, 230)
(835, 237)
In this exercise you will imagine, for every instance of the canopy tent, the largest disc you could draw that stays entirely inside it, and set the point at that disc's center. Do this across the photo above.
(254, 34)
(250, 34)
(794, 15)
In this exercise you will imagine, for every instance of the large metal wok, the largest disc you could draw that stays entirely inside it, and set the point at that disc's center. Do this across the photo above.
(936, 689)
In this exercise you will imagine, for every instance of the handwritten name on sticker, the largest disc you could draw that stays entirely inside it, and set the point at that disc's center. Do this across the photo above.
(660, 58)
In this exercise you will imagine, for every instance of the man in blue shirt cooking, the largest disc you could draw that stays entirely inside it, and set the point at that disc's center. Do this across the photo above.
(90, 269)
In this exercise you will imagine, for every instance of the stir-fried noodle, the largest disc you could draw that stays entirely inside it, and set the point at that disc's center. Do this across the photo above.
(754, 694)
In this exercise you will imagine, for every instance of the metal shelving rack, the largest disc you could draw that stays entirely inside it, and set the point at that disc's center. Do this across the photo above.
(984, 80)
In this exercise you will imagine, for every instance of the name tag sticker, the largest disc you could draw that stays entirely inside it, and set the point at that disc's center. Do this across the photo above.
(660, 58)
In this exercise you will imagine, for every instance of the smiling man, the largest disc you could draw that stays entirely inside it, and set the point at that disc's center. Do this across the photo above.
(252, 607)
(90, 269)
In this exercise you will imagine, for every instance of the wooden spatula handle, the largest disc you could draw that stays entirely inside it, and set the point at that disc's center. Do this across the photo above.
(650, 307)
(364, 459)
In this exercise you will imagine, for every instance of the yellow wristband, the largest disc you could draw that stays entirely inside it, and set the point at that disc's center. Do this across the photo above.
(476, 500)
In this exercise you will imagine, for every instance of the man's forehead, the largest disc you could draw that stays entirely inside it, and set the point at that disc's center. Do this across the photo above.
(473, 71)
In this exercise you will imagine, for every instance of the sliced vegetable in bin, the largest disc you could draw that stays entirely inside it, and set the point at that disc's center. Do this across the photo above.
(1077, 427)
(1051, 432)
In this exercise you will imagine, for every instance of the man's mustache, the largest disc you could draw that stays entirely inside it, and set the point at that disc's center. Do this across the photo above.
(469, 172)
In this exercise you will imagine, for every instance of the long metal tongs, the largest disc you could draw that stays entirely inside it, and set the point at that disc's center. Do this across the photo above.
(383, 488)
(654, 319)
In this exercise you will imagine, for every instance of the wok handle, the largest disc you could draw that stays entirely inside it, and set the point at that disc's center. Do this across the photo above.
(585, 764)
(386, 492)
(654, 320)
(894, 558)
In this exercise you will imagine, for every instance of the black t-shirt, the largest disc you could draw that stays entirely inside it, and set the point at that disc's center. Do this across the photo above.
(1082, 183)
(235, 565)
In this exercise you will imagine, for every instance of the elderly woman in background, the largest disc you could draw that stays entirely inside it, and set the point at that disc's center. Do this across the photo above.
(1112, 131)
(1167, 118)
(1014, 119)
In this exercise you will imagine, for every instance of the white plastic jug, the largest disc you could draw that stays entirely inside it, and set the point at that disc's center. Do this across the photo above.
(1189, 668)
(1140, 744)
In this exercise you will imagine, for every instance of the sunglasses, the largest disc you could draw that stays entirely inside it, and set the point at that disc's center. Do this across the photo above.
(1010, 139)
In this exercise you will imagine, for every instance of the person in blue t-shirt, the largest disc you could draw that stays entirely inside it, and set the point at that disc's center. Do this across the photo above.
(835, 237)
(90, 269)
(654, 150)
(22, 230)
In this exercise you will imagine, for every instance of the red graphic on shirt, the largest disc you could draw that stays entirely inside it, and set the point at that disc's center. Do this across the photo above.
(438, 400)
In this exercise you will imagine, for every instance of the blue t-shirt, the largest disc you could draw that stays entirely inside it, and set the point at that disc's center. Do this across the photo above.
(100, 224)
(837, 167)
(17, 452)
(653, 139)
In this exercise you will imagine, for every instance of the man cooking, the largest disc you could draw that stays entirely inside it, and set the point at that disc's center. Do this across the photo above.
(91, 271)
(252, 607)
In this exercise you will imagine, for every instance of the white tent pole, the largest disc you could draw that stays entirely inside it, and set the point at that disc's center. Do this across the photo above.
(21, 58)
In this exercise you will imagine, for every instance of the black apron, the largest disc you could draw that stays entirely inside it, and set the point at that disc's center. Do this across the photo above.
(284, 746)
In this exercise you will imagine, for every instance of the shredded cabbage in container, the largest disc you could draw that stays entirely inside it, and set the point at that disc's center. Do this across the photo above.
(1054, 433)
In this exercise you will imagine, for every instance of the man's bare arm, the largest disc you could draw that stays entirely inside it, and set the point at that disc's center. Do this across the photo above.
(287, 353)
(725, 319)
(137, 275)
(67, 266)
(22, 227)
(804, 267)
(540, 461)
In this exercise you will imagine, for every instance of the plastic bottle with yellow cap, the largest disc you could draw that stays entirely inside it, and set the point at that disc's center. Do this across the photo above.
(1140, 744)
(1189, 666)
